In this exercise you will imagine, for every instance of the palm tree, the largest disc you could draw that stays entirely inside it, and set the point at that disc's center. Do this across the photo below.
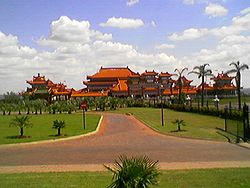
(21, 122)
(134, 172)
(237, 68)
(58, 124)
(202, 72)
(180, 81)
(179, 123)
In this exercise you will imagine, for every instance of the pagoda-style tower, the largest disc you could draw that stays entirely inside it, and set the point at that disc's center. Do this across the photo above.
(223, 85)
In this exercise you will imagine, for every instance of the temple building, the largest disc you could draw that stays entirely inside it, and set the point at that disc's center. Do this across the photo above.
(123, 82)
(107, 81)
(223, 85)
(45, 89)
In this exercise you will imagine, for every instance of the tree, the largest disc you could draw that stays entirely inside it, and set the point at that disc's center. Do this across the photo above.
(180, 81)
(179, 123)
(58, 124)
(202, 72)
(134, 172)
(21, 122)
(237, 69)
(3, 107)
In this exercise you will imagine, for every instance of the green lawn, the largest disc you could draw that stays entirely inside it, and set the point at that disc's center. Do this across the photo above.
(197, 126)
(211, 178)
(42, 127)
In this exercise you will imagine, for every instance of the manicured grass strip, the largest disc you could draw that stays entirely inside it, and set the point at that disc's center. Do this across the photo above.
(206, 178)
(42, 127)
(197, 126)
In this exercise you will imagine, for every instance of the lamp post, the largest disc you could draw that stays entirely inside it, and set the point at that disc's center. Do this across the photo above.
(216, 101)
(162, 115)
(188, 100)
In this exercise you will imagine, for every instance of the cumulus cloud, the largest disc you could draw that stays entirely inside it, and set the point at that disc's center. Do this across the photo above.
(164, 46)
(239, 24)
(245, 11)
(71, 60)
(67, 31)
(132, 2)
(123, 23)
(215, 10)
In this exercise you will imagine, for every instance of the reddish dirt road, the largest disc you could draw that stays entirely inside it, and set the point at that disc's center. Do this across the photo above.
(120, 134)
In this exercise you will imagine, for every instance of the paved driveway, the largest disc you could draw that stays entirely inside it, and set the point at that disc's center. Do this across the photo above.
(120, 134)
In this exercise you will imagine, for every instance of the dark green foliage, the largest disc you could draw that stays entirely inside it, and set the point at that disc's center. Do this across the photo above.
(134, 172)
(179, 123)
(21, 122)
(58, 124)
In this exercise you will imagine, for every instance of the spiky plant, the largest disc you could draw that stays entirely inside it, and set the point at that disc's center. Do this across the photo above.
(202, 72)
(237, 69)
(134, 172)
(179, 123)
(21, 122)
(58, 124)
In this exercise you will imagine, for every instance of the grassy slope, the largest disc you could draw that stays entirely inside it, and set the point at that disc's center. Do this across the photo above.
(197, 126)
(42, 127)
(212, 178)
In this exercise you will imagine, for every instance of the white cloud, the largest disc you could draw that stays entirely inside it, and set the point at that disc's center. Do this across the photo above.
(215, 10)
(189, 34)
(132, 2)
(123, 23)
(245, 11)
(164, 46)
(239, 24)
(71, 31)
(153, 23)
(70, 60)
(189, 2)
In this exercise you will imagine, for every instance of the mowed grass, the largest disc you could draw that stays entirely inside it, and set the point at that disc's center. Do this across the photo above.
(197, 126)
(42, 127)
(210, 178)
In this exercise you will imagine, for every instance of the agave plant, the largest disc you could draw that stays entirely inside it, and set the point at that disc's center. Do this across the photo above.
(58, 124)
(134, 172)
(179, 123)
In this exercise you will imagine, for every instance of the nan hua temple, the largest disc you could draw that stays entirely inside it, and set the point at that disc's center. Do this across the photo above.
(123, 82)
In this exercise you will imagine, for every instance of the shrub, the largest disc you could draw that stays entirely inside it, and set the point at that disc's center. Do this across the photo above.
(134, 172)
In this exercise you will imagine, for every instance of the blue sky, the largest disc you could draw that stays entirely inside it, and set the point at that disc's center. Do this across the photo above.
(143, 34)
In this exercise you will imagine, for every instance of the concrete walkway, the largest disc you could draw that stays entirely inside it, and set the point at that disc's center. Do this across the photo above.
(120, 134)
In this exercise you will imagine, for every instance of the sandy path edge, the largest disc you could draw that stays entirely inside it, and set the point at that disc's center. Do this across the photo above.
(100, 167)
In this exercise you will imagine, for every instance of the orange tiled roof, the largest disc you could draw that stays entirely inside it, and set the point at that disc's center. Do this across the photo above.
(99, 83)
(90, 94)
(150, 89)
(121, 86)
(112, 73)
(228, 87)
(165, 74)
(223, 76)
(37, 80)
(167, 92)
(149, 73)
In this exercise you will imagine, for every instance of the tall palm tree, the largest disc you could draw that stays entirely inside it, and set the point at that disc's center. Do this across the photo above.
(21, 122)
(202, 72)
(237, 68)
(134, 172)
(180, 81)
